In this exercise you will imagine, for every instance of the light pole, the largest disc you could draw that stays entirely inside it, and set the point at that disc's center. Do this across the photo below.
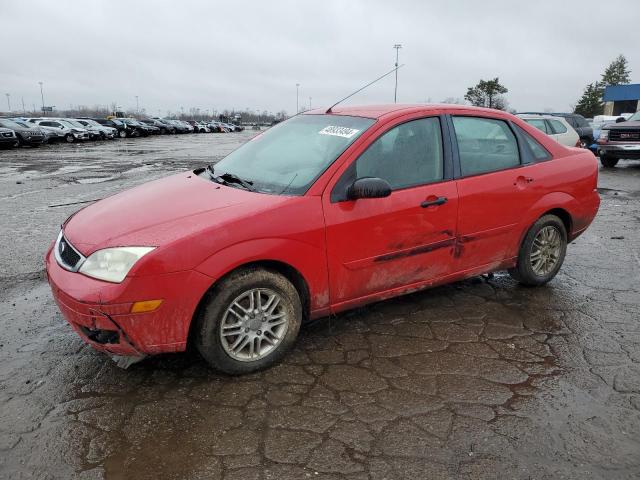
(397, 46)
(297, 97)
(42, 96)
(8, 101)
(309, 103)
(137, 106)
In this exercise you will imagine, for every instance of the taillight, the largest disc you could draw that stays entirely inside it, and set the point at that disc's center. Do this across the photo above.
(579, 144)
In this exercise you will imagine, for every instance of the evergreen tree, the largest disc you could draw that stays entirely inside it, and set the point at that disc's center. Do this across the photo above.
(487, 93)
(617, 73)
(590, 104)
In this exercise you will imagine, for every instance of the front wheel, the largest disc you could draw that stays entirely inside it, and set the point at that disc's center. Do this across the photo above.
(122, 133)
(608, 162)
(542, 252)
(248, 321)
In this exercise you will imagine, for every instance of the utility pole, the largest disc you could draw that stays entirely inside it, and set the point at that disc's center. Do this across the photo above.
(297, 97)
(309, 103)
(42, 96)
(8, 101)
(24, 111)
(397, 46)
(137, 106)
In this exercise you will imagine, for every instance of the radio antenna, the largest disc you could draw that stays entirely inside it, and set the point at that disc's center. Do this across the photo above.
(359, 90)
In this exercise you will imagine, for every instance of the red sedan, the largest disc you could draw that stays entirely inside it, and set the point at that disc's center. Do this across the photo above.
(324, 212)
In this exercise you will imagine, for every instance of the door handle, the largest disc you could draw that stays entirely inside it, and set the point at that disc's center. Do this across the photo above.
(433, 203)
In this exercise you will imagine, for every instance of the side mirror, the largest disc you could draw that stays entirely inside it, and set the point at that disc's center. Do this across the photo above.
(369, 187)
(620, 119)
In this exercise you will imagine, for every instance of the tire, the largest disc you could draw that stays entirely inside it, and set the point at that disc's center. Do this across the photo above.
(122, 133)
(229, 353)
(525, 271)
(608, 162)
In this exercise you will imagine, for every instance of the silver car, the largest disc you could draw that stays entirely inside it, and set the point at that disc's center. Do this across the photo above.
(61, 130)
(92, 125)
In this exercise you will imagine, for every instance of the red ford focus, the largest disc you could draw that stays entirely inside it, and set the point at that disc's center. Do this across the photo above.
(319, 214)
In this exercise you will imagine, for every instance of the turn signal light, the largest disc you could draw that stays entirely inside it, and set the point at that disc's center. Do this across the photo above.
(146, 306)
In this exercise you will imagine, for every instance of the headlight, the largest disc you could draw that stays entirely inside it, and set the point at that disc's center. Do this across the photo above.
(113, 264)
(604, 135)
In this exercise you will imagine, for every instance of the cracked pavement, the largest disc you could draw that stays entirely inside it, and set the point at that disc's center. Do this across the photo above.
(478, 379)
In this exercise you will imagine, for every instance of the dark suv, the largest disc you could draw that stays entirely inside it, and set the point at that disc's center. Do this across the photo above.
(124, 130)
(620, 140)
(579, 124)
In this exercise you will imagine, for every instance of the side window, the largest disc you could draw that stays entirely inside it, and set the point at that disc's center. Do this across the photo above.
(485, 145)
(538, 123)
(557, 126)
(407, 155)
(539, 152)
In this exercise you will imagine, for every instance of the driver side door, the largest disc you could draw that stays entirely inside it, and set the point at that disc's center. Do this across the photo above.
(378, 247)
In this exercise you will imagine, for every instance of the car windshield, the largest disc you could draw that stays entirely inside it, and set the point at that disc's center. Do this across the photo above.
(75, 124)
(634, 118)
(116, 122)
(289, 157)
(69, 124)
(8, 123)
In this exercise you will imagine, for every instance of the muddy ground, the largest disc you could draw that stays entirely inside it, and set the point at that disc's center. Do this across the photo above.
(480, 379)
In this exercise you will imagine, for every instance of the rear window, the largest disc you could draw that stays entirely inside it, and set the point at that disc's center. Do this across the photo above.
(538, 123)
(557, 126)
(538, 151)
(485, 145)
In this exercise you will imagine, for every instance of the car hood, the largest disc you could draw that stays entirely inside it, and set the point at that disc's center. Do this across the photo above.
(161, 211)
(622, 125)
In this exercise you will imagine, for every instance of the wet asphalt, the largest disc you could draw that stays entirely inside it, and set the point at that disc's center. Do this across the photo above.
(480, 379)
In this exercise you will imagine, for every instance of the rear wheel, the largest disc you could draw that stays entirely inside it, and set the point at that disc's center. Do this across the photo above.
(248, 321)
(122, 133)
(608, 162)
(542, 252)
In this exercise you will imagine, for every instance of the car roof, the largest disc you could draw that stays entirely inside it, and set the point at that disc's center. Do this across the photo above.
(532, 116)
(377, 111)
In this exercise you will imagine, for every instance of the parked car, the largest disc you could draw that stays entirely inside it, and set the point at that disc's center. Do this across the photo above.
(199, 127)
(163, 127)
(61, 131)
(103, 131)
(620, 140)
(577, 122)
(141, 128)
(123, 129)
(179, 126)
(26, 134)
(8, 138)
(556, 127)
(322, 213)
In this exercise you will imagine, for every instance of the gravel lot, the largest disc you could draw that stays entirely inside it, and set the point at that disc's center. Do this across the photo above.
(479, 379)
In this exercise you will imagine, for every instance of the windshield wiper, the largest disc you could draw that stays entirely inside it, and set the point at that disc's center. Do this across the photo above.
(231, 178)
(227, 178)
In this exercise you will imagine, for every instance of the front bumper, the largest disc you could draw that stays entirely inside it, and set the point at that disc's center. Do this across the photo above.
(620, 150)
(100, 312)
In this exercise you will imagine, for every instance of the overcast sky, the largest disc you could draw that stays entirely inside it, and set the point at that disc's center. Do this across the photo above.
(251, 54)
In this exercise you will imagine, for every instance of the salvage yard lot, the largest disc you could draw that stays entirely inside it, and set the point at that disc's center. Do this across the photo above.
(459, 381)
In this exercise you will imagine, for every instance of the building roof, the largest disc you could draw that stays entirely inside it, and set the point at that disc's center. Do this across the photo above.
(617, 93)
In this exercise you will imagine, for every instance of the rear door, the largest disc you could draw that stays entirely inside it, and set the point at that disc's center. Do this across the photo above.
(384, 244)
(495, 187)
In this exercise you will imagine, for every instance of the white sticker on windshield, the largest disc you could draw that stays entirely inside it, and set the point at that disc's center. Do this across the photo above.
(338, 131)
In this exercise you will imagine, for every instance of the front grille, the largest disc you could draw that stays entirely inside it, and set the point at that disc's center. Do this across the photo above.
(66, 255)
(7, 134)
(624, 135)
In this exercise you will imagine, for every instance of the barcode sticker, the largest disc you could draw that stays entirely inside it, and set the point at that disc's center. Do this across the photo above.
(338, 131)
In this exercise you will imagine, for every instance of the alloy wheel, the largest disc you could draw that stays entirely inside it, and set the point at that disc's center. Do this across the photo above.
(253, 325)
(545, 251)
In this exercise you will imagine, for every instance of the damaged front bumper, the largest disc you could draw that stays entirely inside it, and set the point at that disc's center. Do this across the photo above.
(101, 312)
